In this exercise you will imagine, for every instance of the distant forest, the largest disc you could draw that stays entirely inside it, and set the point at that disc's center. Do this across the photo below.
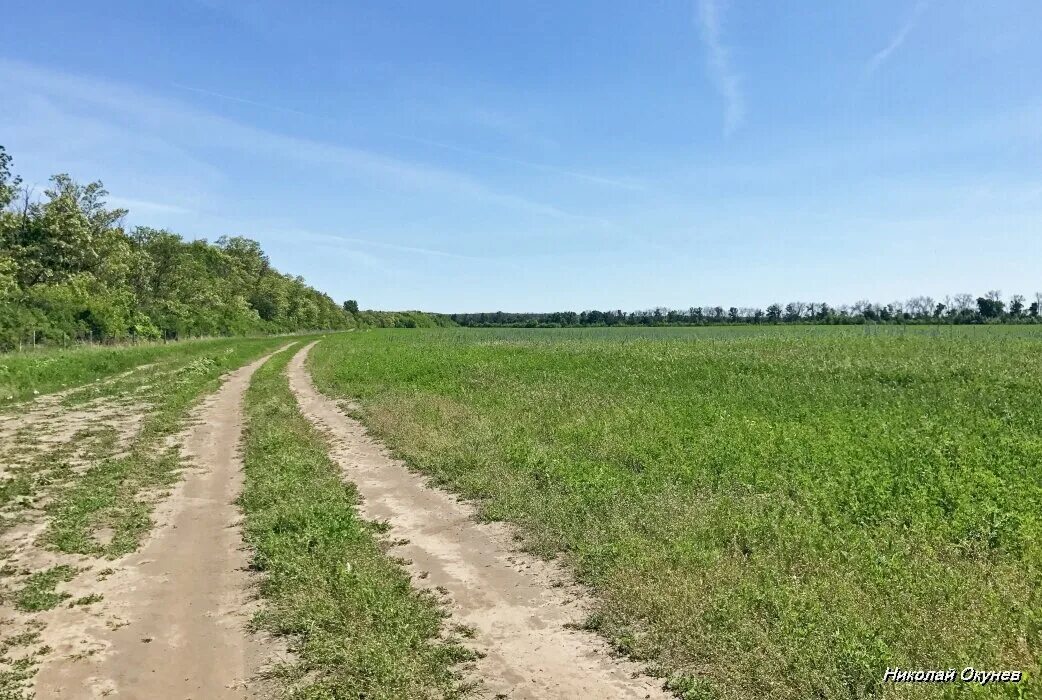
(69, 272)
(960, 308)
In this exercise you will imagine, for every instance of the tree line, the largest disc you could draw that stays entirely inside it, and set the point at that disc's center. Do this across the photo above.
(401, 319)
(957, 309)
(70, 271)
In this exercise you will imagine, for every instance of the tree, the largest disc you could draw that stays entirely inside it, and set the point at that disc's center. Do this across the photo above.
(963, 303)
(920, 307)
(794, 310)
(989, 307)
(64, 236)
(9, 183)
(351, 306)
(69, 269)
(1016, 306)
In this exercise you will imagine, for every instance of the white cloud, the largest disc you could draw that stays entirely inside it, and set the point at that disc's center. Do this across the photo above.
(881, 56)
(728, 81)
(483, 116)
(398, 248)
(142, 205)
(128, 109)
(240, 100)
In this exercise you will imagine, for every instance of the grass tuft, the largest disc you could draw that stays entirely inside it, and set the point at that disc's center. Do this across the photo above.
(40, 589)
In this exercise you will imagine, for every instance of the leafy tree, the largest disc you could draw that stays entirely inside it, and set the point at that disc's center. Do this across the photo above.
(69, 270)
(989, 307)
(1016, 306)
(794, 311)
(9, 183)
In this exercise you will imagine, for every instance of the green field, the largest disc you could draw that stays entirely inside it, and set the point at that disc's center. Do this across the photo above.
(779, 512)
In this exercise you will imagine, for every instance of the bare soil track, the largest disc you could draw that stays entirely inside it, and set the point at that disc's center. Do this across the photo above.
(521, 613)
(182, 601)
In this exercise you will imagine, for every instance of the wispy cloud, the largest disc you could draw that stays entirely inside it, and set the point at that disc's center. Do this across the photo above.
(240, 100)
(880, 57)
(367, 249)
(156, 115)
(625, 184)
(396, 247)
(147, 206)
(728, 81)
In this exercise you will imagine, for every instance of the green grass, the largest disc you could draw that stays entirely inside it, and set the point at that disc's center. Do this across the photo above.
(16, 674)
(117, 493)
(23, 375)
(355, 627)
(16, 679)
(40, 589)
(26, 484)
(87, 600)
(770, 512)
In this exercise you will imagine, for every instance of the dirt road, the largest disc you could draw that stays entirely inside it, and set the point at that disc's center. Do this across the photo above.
(514, 602)
(183, 600)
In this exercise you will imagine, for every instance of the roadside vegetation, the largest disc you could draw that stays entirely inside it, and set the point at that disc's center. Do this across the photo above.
(777, 514)
(83, 368)
(354, 626)
(109, 474)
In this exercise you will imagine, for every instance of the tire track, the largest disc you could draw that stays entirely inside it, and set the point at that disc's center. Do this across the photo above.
(515, 603)
(183, 599)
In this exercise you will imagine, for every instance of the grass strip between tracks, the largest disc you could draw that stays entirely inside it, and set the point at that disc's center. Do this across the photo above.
(355, 626)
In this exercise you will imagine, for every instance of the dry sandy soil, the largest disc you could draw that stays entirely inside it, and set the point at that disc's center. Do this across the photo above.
(521, 608)
(50, 444)
(172, 620)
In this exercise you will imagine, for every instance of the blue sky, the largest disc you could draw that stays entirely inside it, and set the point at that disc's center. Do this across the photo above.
(533, 156)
